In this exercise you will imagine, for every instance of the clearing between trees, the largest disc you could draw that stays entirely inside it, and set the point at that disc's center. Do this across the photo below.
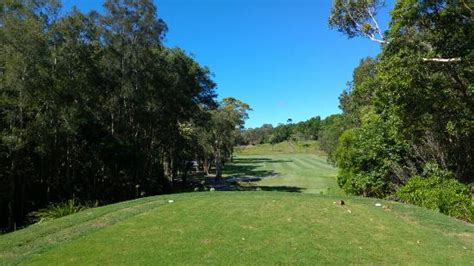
(249, 227)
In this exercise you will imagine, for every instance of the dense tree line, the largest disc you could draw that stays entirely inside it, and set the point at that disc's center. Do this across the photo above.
(407, 128)
(304, 130)
(95, 107)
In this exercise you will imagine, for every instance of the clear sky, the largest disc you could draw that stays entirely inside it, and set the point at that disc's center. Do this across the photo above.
(279, 56)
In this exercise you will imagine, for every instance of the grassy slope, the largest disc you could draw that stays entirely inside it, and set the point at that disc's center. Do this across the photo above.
(249, 227)
(285, 147)
(244, 228)
(300, 167)
(295, 172)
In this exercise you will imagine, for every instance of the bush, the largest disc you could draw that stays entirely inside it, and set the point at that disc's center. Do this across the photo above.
(58, 210)
(438, 190)
(364, 156)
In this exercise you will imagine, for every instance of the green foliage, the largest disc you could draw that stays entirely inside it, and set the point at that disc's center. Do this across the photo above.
(331, 129)
(301, 131)
(432, 98)
(412, 104)
(438, 190)
(365, 156)
(94, 106)
(357, 18)
(285, 147)
(61, 209)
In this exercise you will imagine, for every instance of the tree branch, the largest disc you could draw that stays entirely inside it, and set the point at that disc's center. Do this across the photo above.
(467, 7)
(442, 60)
(376, 24)
(360, 29)
(438, 59)
(377, 40)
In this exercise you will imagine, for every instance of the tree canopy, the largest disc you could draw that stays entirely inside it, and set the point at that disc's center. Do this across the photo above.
(412, 106)
(95, 107)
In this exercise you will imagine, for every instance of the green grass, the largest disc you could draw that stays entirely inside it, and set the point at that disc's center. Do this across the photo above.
(244, 228)
(285, 147)
(249, 227)
(307, 173)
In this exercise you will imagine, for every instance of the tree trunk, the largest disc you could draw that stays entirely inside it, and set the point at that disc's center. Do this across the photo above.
(11, 203)
(218, 164)
(11, 215)
(206, 166)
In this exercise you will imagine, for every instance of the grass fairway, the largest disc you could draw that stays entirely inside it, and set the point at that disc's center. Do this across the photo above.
(306, 173)
(249, 227)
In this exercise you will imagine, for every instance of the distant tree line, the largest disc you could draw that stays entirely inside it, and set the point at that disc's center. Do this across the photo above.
(95, 107)
(407, 127)
(304, 130)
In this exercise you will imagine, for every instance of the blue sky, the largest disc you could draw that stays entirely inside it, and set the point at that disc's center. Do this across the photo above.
(279, 56)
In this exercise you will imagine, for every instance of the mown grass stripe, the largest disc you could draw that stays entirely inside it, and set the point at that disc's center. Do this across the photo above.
(306, 164)
(318, 163)
(322, 159)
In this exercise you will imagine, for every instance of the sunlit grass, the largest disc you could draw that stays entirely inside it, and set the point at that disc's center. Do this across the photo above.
(253, 227)
(306, 173)
(250, 228)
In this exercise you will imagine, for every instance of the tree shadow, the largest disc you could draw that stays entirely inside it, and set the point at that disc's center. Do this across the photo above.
(241, 175)
(259, 160)
(244, 174)
(249, 167)
(244, 187)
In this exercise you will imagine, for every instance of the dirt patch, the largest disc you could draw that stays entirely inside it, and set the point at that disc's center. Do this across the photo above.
(466, 237)
(206, 241)
(248, 227)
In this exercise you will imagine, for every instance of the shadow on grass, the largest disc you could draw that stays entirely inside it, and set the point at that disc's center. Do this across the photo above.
(249, 167)
(239, 187)
(241, 175)
(259, 160)
(244, 173)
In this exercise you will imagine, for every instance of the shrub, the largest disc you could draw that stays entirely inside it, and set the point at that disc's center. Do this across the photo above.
(57, 210)
(438, 190)
(364, 156)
